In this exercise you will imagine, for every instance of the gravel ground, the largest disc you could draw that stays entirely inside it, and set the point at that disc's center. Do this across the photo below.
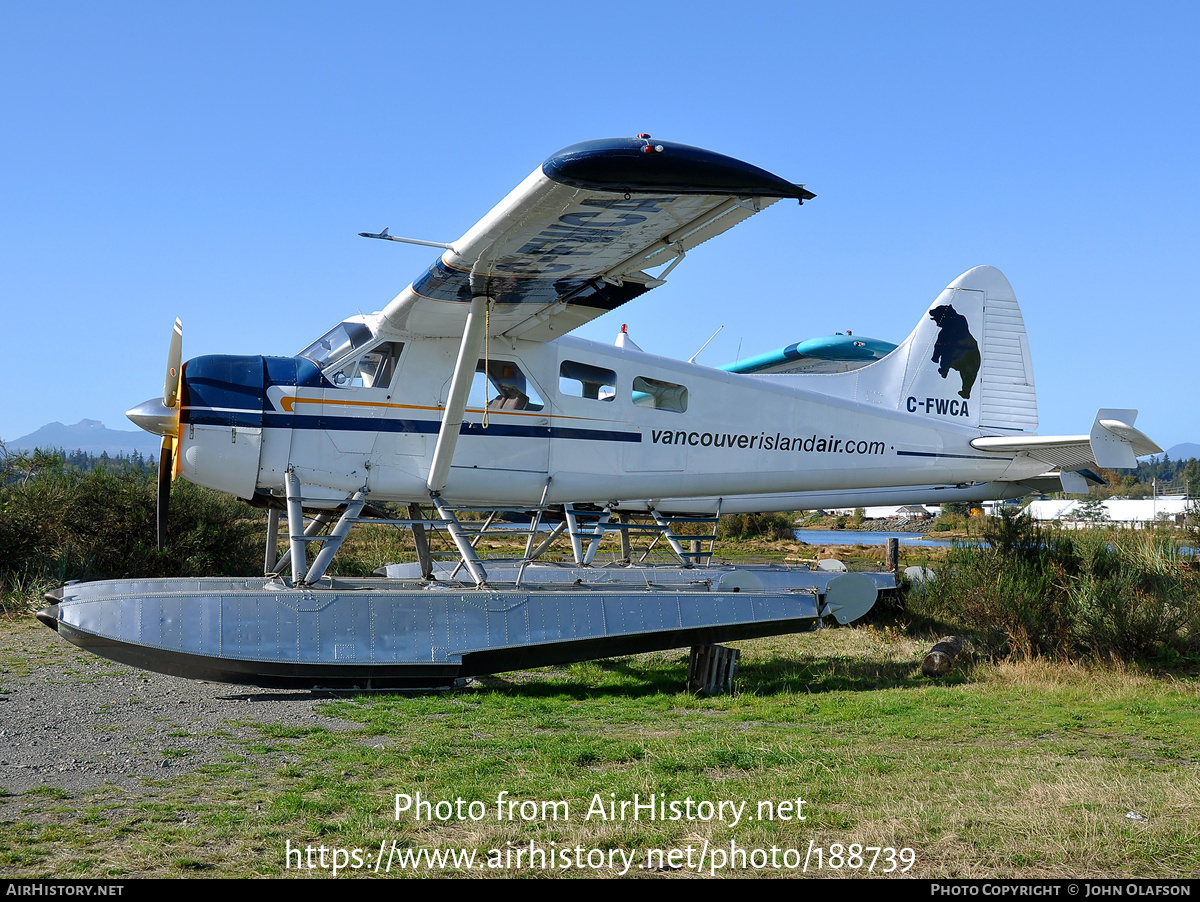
(72, 720)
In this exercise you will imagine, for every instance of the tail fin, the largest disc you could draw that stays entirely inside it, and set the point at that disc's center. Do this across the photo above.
(967, 361)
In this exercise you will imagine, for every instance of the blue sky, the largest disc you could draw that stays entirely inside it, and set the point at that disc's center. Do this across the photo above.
(215, 162)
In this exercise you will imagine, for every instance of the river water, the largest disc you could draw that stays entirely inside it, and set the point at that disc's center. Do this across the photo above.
(864, 537)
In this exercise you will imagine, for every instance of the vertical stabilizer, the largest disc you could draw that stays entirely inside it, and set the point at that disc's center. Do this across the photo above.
(967, 361)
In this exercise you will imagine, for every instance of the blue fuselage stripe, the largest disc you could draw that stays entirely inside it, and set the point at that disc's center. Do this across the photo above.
(249, 419)
(938, 454)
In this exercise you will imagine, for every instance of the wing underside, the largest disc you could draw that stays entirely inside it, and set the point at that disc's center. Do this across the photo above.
(581, 235)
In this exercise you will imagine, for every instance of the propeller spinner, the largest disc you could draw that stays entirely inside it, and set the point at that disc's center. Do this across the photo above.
(161, 417)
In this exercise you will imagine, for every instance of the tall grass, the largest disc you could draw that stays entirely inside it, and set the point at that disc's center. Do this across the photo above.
(1122, 595)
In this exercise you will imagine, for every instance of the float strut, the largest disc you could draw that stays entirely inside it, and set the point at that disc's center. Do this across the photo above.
(421, 541)
(318, 523)
(670, 537)
(336, 537)
(296, 533)
(272, 552)
(573, 526)
(537, 520)
(594, 545)
(465, 549)
(549, 540)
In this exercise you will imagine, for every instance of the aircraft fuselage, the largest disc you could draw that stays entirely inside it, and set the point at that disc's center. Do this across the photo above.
(604, 424)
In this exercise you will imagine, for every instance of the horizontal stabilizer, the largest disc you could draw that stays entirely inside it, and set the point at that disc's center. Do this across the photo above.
(1116, 443)
(1113, 442)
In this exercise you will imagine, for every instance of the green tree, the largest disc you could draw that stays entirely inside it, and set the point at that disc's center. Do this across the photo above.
(1091, 511)
(1191, 478)
(1191, 523)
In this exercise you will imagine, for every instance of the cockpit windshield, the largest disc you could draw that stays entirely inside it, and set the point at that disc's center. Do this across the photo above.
(337, 342)
(348, 360)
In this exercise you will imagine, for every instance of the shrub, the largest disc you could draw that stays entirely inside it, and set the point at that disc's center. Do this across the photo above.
(100, 524)
(1040, 592)
(1133, 598)
(756, 526)
(946, 521)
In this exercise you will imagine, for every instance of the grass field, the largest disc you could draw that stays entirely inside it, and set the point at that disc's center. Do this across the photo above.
(1009, 769)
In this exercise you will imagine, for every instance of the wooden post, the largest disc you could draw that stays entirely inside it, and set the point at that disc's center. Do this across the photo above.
(712, 669)
(892, 560)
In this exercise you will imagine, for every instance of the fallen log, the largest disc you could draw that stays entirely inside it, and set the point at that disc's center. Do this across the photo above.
(940, 658)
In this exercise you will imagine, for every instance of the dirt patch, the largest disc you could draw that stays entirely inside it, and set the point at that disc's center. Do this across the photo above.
(72, 721)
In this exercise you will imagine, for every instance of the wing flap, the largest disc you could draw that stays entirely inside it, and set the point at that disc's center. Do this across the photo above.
(574, 239)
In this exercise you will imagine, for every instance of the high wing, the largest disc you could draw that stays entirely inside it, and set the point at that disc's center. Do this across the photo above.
(575, 238)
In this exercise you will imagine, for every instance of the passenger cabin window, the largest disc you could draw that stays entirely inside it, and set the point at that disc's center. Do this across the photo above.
(503, 386)
(659, 394)
(582, 380)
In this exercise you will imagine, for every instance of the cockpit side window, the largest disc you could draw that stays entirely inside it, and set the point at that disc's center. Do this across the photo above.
(375, 368)
(347, 360)
(372, 369)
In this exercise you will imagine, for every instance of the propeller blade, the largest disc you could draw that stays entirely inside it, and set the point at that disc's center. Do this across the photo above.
(174, 366)
(166, 472)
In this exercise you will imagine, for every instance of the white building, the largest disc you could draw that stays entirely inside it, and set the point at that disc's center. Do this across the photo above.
(1119, 511)
(910, 511)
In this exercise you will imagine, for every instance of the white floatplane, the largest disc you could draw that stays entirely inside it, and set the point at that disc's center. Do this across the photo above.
(466, 391)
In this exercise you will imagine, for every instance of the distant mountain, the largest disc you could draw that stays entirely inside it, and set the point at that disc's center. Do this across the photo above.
(90, 436)
(1184, 451)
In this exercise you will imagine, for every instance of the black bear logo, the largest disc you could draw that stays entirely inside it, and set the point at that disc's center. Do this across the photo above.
(955, 348)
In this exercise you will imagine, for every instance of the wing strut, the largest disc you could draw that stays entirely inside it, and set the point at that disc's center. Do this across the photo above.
(460, 387)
